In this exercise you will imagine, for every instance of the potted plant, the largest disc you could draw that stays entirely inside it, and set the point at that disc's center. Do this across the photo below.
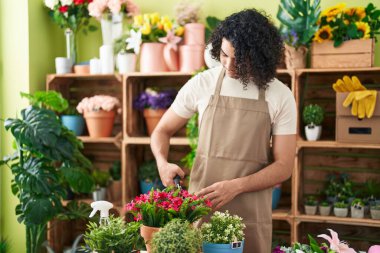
(125, 58)
(224, 233)
(99, 112)
(149, 177)
(313, 117)
(73, 120)
(375, 211)
(357, 208)
(102, 180)
(115, 190)
(311, 205)
(116, 237)
(324, 208)
(177, 236)
(298, 24)
(157, 208)
(340, 209)
(154, 104)
(276, 195)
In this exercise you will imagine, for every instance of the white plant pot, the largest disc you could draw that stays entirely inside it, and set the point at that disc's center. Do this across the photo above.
(310, 210)
(313, 133)
(112, 27)
(357, 213)
(210, 62)
(324, 210)
(99, 194)
(126, 63)
(375, 214)
(340, 212)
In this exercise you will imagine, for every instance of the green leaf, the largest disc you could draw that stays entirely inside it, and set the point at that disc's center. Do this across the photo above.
(39, 210)
(48, 99)
(212, 22)
(79, 179)
(92, 28)
(375, 14)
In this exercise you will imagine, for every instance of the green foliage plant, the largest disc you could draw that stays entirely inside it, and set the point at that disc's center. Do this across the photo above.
(313, 115)
(116, 237)
(75, 210)
(148, 171)
(3, 245)
(192, 135)
(357, 203)
(311, 201)
(223, 228)
(177, 236)
(298, 19)
(101, 178)
(211, 24)
(47, 153)
(340, 204)
(324, 203)
(115, 171)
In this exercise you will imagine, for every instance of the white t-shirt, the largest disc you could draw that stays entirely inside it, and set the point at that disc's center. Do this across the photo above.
(194, 97)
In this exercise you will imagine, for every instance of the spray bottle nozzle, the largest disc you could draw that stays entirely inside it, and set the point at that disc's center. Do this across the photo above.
(102, 206)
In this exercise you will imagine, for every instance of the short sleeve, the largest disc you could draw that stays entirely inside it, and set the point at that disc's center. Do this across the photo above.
(185, 103)
(285, 121)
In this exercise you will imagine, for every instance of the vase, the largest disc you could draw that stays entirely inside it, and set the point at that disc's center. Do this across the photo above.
(191, 57)
(147, 233)
(295, 58)
(223, 248)
(112, 27)
(313, 133)
(152, 58)
(146, 186)
(340, 212)
(100, 123)
(152, 117)
(324, 210)
(310, 210)
(71, 46)
(74, 123)
(194, 34)
(357, 213)
(126, 62)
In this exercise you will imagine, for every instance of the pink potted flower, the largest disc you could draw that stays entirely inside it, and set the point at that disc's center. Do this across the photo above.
(99, 112)
(157, 208)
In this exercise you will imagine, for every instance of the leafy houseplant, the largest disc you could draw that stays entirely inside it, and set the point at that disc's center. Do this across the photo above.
(115, 190)
(225, 229)
(177, 236)
(47, 153)
(115, 237)
(73, 120)
(375, 211)
(340, 209)
(154, 104)
(102, 180)
(311, 205)
(99, 112)
(339, 188)
(126, 58)
(324, 208)
(313, 116)
(148, 176)
(298, 25)
(357, 208)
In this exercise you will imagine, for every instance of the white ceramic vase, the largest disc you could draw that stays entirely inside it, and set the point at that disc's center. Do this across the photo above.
(126, 62)
(313, 133)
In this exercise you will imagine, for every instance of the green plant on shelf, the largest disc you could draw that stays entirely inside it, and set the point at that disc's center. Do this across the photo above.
(375, 207)
(310, 201)
(192, 135)
(101, 178)
(148, 172)
(357, 203)
(115, 171)
(340, 204)
(324, 203)
(313, 115)
(75, 210)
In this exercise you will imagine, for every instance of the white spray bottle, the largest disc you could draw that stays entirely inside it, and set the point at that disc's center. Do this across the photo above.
(103, 207)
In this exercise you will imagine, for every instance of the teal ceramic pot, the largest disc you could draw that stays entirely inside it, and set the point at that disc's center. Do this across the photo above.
(74, 123)
(223, 248)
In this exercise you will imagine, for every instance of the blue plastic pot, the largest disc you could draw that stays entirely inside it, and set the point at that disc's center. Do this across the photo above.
(145, 187)
(74, 123)
(276, 195)
(221, 248)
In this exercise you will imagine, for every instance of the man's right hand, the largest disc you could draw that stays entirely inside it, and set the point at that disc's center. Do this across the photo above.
(168, 171)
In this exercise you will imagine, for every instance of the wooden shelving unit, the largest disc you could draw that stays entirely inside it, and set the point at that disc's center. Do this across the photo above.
(130, 143)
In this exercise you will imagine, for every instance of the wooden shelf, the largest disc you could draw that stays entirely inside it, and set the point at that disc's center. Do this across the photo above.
(281, 214)
(337, 70)
(115, 76)
(338, 220)
(176, 141)
(153, 74)
(334, 144)
(88, 139)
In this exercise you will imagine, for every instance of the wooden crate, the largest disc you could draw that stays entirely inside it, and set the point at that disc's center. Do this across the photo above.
(351, 54)
(281, 233)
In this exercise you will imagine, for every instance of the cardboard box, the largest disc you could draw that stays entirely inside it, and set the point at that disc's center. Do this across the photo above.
(350, 129)
(351, 54)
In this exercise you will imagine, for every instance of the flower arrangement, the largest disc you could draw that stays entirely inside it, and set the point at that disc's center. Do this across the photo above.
(187, 12)
(152, 27)
(223, 228)
(340, 24)
(97, 103)
(151, 98)
(157, 208)
(98, 8)
(336, 246)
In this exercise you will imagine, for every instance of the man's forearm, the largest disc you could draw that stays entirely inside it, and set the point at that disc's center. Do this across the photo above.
(160, 146)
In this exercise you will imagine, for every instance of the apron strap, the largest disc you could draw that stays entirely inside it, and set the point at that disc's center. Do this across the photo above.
(261, 94)
(219, 82)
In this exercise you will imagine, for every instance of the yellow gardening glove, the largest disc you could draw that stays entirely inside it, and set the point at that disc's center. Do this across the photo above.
(370, 103)
(363, 103)
(348, 84)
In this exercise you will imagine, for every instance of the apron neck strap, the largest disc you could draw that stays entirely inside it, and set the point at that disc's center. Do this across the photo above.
(219, 82)
(261, 94)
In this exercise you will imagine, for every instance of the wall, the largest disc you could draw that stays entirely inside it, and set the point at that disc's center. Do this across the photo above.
(29, 42)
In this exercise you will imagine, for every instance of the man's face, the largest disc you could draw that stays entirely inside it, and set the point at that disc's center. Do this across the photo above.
(227, 58)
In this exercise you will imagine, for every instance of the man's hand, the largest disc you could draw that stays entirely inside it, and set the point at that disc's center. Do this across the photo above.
(219, 193)
(168, 171)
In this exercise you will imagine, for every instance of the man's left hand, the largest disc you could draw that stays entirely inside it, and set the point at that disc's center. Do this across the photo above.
(219, 193)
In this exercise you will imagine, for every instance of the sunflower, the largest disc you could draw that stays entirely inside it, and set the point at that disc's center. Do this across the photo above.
(358, 12)
(323, 34)
(332, 12)
(363, 29)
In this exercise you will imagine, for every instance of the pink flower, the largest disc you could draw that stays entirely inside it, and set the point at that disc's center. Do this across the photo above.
(99, 102)
(132, 8)
(171, 40)
(336, 244)
(78, 2)
(96, 8)
(114, 6)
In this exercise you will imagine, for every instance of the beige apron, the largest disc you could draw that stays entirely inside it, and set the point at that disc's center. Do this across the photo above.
(234, 138)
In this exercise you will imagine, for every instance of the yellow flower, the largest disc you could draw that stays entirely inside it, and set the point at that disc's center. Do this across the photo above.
(359, 12)
(332, 12)
(138, 20)
(154, 18)
(160, 26)
(146, 18)
(179, 31)
(168, 26)
(146, 29)
(363, 29)
(323, 34)
(165, 19)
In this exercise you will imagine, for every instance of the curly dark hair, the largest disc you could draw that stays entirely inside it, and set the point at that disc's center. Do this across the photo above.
(257, 42)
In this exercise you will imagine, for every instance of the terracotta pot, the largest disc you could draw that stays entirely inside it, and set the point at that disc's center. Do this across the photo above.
(295, 58)
(152, 117)
(194, 34)
(100, 123)
(191, 57)
(152, 58)
(82, 69)
(147, 233)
